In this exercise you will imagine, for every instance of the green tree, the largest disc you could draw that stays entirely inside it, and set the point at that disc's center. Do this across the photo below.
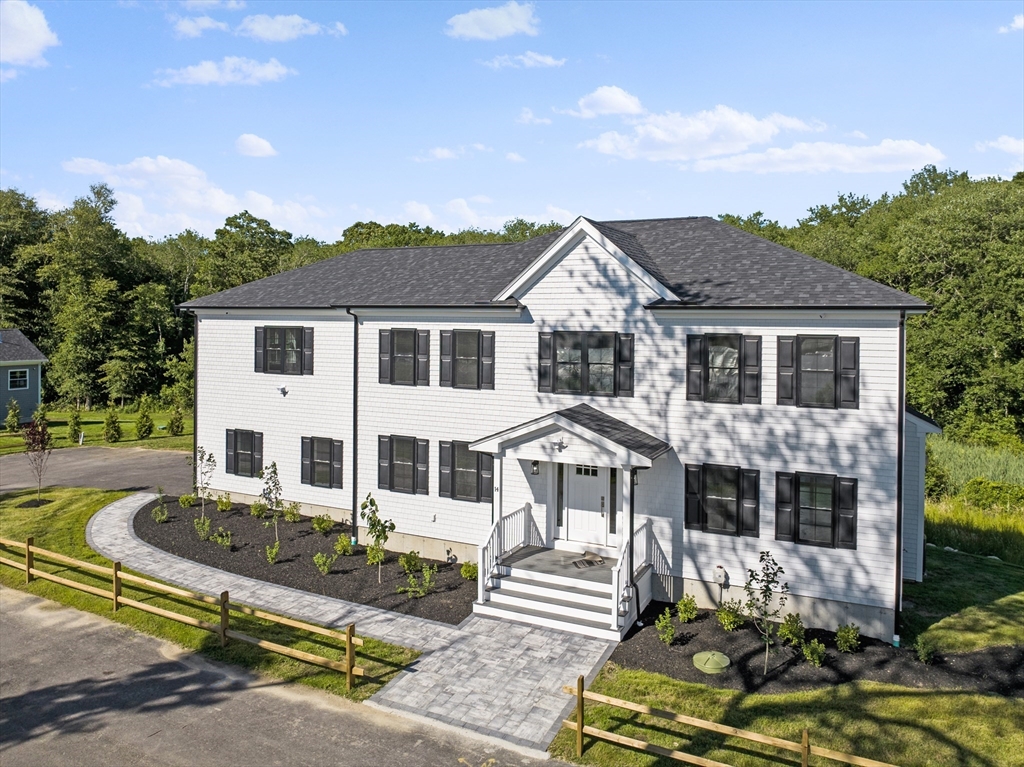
(82, 327)
(246, 248)
(13, 419)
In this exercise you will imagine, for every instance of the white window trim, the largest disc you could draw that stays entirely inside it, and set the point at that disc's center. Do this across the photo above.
(28, 380)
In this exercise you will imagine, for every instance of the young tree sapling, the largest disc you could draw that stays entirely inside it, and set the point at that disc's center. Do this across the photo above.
(761, 588)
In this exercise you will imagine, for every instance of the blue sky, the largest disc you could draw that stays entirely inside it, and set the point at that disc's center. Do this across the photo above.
(456, 114)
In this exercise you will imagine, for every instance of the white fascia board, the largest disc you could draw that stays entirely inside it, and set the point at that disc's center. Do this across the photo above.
(726, 315)
(570, 238)
(923, 425)
(12, 363)
(440, 313)
(270, 314)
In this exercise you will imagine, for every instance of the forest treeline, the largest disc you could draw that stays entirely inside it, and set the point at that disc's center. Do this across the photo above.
(100, 304)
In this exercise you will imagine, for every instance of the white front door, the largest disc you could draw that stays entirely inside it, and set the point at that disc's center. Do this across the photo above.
(586, 502)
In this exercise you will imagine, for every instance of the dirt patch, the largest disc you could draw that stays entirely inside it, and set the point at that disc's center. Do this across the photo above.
(34, 504)
(997, 669)
(349, 578)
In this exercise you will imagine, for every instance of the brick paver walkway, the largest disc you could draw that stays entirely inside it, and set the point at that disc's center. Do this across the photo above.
(497, 678)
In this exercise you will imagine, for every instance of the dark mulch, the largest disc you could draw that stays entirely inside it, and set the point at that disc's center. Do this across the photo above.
(34, 504)
(350, 578)
(996, 669)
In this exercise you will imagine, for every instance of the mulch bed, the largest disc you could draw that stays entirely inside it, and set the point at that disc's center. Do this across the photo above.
(996, 669)
(349, 578)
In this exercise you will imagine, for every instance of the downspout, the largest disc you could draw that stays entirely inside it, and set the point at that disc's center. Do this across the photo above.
(195, 398)
(629, 547)
(900, 418)
(355, 426)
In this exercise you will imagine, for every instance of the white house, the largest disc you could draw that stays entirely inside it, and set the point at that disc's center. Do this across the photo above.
(669, 396)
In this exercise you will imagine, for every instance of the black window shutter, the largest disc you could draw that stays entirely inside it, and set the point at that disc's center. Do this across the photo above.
(384, 462)
(786, 362)
(848, 390)
(384, 369)
(337, 453)
(423, 358)
(750, 503)
(229, 456)
(444, 477)
(485, 479)
(624, 365)
(257, 452)
(695, 368)
(259, 366)
(487, 359)
(694, 478)
(545, 366)
(846, 508)
(751, 370)
(307, 461)
(785, 506)
(421, 483)
(446, 358)
(307, 351)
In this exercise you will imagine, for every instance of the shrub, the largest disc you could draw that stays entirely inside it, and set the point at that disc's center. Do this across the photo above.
(40, 414)
(187, 501)
(925, 649)
(343, 545)
(258, 509)
(469, 571)
(375, 556)
(792, 630)
(13, 419)
(686, 608)
(222, 537)
(848, 638)
(323, 524)
(176, 425)
(986, 494)
(224, 502)
(202, 525)
(937, 482)
(964, 462)
(111, 426)
(420, 588)
(730, 614)
(144, 421)
(74, 426)
(814, 652)
(323, 562)
(291, 512)
(665, 628)
(410, 562)
(273, 551)
(159, 512)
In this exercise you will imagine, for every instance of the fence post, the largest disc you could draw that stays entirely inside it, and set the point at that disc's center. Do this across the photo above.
(579, 715)
(350, 655)
(116, 584)
(30, 561)
(224, 613)
(805, 749)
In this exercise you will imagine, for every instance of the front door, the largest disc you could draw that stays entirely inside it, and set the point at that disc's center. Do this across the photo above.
(586, 501)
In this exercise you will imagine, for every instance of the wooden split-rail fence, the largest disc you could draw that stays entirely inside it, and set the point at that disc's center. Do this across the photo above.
(222, 628)
(804, 747)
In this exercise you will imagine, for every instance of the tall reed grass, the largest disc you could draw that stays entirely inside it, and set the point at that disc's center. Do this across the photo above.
(993, 532)
(964, 462)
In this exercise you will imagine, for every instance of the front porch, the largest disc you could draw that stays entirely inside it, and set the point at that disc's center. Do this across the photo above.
(560, 562)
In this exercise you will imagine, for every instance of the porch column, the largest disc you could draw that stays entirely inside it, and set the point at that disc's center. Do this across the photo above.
(627, 508)
(498, 482)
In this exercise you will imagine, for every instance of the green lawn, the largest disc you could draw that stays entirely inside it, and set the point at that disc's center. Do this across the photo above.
(60, 526)
(884, 722)
(92, 425)
(997, 532)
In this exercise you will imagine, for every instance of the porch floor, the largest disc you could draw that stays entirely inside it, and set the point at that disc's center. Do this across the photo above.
(558, 562)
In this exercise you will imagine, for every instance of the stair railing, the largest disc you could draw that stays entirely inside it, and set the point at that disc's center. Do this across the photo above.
(508, 533)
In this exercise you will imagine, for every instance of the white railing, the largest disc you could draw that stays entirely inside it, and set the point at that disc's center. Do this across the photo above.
(618, 587)
(508, 533)
(643, 538)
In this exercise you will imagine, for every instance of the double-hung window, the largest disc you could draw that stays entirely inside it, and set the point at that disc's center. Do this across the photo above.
(819, 371)
(284, 350)
(467, 359)
(404, 357)
(17, 379)
(402, 464)
(322, 462)
(723, 367)
(816, 509)
(465, 474)
(586, 363)
(722, 499)
(244, 452)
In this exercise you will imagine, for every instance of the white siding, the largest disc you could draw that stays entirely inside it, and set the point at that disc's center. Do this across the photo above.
(913, 501)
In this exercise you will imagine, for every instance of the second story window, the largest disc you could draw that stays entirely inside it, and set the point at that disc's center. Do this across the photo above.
(467, 359)
(723, 367)
(819, 371)
(287, 351)
(404, 357)
(586, 363)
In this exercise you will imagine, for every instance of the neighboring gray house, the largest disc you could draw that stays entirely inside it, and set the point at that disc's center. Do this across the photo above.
(21, 370)
(672, 396)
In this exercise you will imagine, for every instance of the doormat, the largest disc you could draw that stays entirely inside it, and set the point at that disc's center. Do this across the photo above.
(589, 560)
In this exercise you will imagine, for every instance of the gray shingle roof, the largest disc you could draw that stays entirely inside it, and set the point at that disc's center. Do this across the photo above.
(619, 432)
(15, 347)
(705, 262)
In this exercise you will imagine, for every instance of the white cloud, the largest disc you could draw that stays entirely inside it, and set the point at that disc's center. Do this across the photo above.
(608, 100)
(561, 215)
(1003, 144)
(194, 26)
(420, 212)
(515, 157)
(526, 117)
(231, 5)
(252, 145)
(1015, 26)
(676, 137)
(528, 60)
(233, 70)
(481, 198)
(821, 156)
(483, 148)
(494, 23)
(442, 153)
(857, 134)
(161, 195)
(281, 29)
(24, 36)
(49, 201)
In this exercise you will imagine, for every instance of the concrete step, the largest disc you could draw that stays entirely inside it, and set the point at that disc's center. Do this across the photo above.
(557, 608)
(599, 630)
(578, 594)
(559, 580)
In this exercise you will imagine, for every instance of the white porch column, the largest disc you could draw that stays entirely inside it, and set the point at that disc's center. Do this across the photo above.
(499, 474)
(627, 521)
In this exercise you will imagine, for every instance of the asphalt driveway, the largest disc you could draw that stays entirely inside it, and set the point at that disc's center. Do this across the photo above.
(108, 468)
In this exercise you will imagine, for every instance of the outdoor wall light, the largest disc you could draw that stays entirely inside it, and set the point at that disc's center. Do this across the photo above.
(636, 478)
(535, 468)
(283, 390)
